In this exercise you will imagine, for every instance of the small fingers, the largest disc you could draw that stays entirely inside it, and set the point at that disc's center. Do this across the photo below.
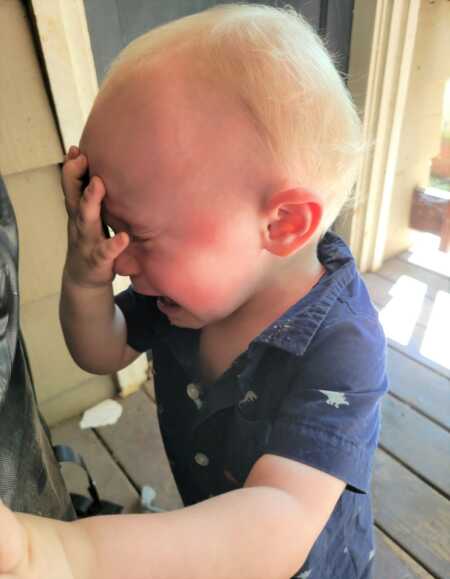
(110, 249)
(74, 170)
(75, 164)
(72, 153)
(89, 212)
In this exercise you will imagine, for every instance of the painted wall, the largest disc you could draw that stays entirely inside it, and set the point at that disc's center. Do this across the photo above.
(358, 74)
(421, 131)
(30, 157)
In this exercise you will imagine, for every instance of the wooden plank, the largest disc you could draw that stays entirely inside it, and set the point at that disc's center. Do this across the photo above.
(28, 134)
(412, 513)
(413, 347)
(77, 399)
(135, 441)
(53, 367)
(432, 260)
(391, 562)
(66, 48)
(38, 202)
(394, 35)
(419, 386)
(393, 268)
(379, 289)
(111, 482)
(417, 442)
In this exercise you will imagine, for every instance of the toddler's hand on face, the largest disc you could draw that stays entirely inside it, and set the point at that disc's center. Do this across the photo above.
(90, 255)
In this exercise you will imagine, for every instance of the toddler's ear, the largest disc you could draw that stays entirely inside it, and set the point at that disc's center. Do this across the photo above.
(291, 219)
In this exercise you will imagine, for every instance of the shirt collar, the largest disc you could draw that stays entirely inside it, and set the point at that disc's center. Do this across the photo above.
(295, 329)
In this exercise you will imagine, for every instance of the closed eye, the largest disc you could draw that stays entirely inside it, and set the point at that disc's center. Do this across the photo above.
(133, 238)
(122, 227)
(138, 239)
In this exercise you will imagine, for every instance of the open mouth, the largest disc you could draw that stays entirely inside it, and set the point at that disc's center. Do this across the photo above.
(164, 303)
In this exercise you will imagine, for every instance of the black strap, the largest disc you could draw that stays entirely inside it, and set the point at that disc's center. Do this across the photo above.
(85, 506)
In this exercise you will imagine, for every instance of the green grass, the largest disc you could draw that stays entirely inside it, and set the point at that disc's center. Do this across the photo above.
(439, 183)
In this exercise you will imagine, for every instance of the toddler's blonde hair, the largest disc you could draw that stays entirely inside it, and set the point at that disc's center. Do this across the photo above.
(279, 67)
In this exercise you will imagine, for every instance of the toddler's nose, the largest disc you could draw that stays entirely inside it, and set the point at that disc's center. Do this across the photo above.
(126, 264)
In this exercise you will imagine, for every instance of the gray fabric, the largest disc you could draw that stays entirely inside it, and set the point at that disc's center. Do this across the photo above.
(30, 477)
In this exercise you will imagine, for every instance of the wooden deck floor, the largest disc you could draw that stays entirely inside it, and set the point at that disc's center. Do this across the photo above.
(411, 482)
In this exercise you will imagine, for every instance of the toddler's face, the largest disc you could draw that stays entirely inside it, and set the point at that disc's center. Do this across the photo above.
(185, 173)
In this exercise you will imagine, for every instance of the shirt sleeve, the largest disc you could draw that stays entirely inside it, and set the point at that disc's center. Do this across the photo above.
(330, 418)
(142, 318)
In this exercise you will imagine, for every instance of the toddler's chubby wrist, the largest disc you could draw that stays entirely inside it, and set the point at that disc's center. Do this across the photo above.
(70, 282)
(54, 549)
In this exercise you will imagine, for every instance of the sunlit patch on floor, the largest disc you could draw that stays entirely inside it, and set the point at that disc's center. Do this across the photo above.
(436, 341)
(425, 253)
(399, 316)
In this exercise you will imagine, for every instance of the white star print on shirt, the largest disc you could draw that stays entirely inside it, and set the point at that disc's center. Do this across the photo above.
(335, 399)
(250, 396)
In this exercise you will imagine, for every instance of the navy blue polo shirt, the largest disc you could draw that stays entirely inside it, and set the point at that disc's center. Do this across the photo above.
(308, 388)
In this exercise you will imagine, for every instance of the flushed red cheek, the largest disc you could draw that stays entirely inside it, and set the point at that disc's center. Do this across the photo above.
(199, 291)
(206, 233)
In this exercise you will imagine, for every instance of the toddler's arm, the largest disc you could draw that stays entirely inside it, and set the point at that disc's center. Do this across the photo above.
(94, 328)
(265, 529)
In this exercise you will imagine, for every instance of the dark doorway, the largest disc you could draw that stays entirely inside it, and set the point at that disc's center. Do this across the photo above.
(114, 23)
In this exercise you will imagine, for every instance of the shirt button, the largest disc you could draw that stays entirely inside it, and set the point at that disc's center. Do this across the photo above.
(201, 459)
(193, 391)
